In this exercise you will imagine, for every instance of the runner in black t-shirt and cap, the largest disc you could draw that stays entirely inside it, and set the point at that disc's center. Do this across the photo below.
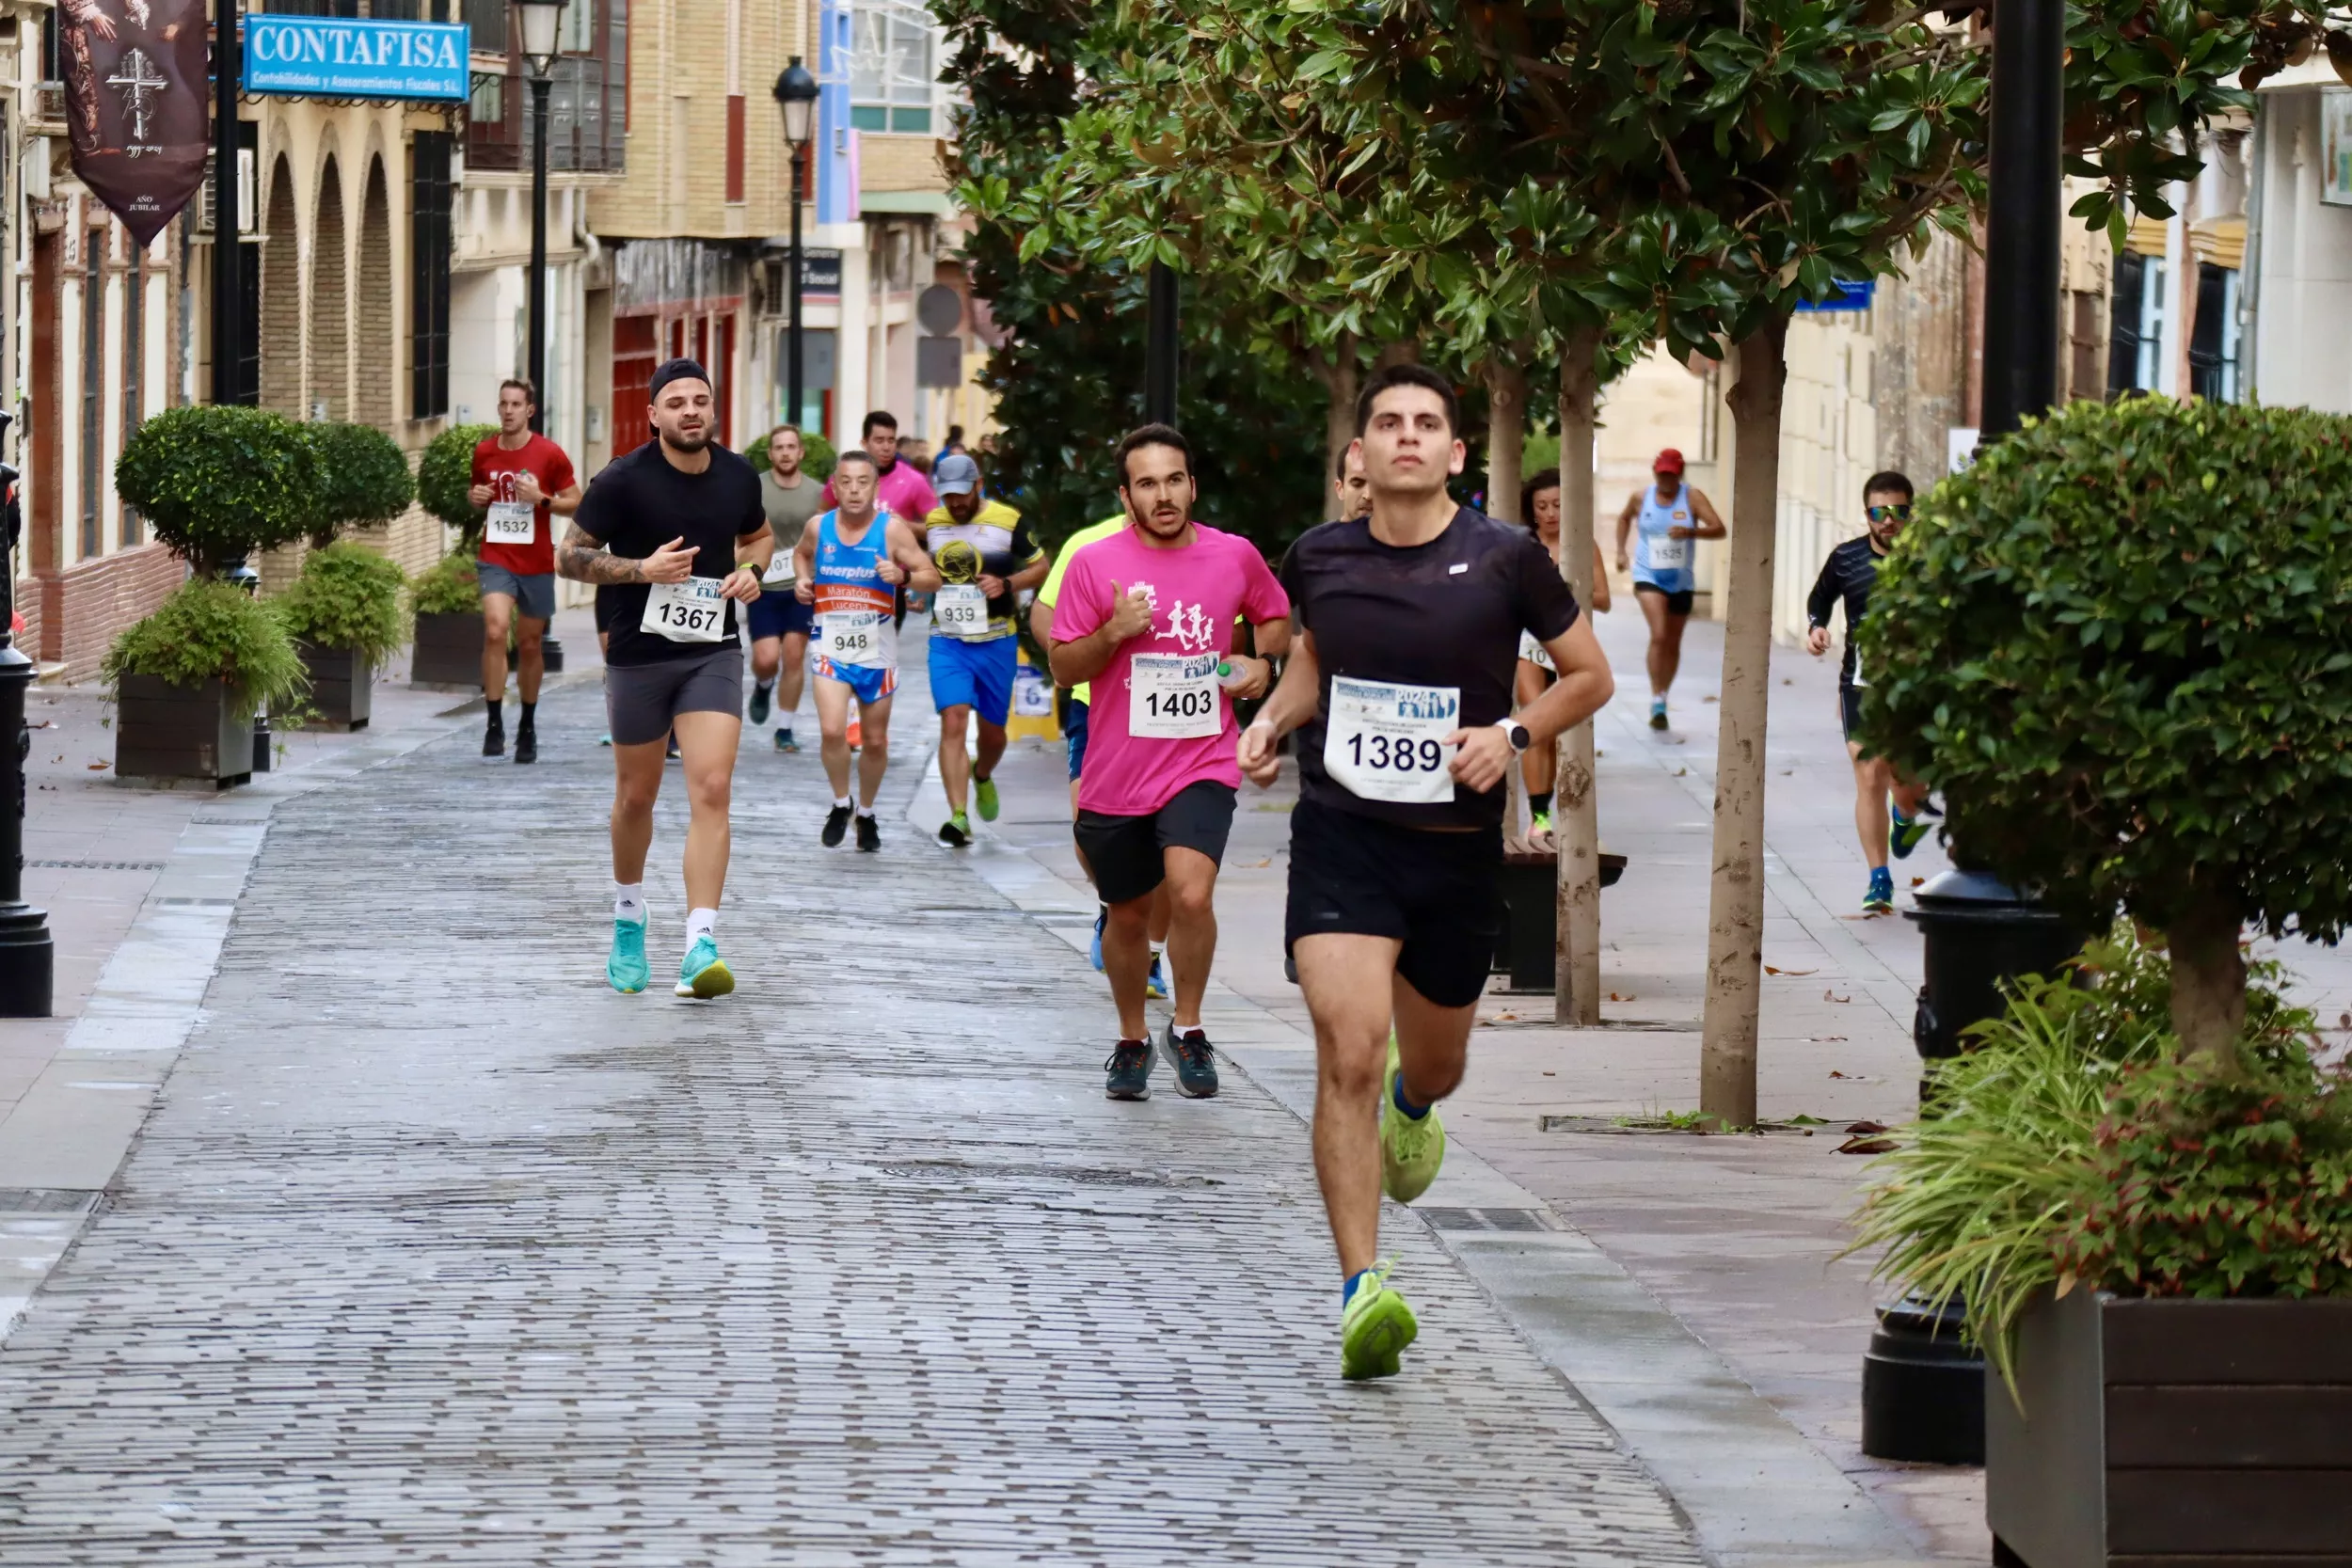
(674, 537)
(1400, 681)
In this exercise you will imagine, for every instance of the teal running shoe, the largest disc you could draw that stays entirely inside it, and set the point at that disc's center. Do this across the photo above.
(1156, 984)
(984, 796)
(704, 973)
(1879, 899)
(1374, 1327)
(1095, 953)
(627, 967)
(1903, 833)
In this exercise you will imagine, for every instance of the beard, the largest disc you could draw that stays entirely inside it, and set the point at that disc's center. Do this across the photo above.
(678, 441)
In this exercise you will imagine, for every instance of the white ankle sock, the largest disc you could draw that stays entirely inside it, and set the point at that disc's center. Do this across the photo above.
(842, 803)
(629, 901)
(865, 811)
(699, 924)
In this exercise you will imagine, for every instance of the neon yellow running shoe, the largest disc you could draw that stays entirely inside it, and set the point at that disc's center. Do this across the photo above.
(1411, 1149)
(984, 796)
(1375, 1328)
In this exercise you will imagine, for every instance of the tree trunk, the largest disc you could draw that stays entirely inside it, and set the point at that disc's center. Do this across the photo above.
(1735, 912)
(1403, 351)
(1340, 377)
(1506, 434)
(1575, 812)
(2208, 981)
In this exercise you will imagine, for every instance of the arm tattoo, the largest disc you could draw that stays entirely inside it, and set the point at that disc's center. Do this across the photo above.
(583, 559)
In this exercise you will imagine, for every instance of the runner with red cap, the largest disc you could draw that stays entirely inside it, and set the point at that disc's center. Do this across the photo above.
(1671, 515)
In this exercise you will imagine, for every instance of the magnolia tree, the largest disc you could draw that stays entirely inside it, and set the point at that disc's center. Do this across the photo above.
(2118, 643)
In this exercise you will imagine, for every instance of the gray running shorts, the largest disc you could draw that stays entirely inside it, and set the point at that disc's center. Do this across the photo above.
(533, 594)
(641, 700)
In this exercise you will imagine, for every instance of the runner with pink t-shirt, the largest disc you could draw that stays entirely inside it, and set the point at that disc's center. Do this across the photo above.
(903, 491)
(1147, 615)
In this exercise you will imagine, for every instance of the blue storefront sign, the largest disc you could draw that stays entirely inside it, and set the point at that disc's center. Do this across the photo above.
(1844, 296)
(326, 56)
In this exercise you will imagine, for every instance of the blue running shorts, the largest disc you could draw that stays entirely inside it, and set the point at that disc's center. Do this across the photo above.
(978, 675)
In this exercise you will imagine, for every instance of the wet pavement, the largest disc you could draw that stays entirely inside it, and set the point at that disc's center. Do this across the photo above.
(434, 1250)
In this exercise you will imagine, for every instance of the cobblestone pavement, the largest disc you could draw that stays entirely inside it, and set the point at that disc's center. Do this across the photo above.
(437, 1251)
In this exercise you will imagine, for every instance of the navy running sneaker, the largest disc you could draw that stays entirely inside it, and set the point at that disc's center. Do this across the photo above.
(1128, 1074)
(1194, 1061)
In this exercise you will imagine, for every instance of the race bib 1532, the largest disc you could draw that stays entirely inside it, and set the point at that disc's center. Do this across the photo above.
(510, 523)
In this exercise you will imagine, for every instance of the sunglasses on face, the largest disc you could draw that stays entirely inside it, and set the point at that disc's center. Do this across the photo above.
(1889, 513)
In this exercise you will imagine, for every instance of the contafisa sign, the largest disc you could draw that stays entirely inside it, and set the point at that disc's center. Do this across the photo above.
(325, 56)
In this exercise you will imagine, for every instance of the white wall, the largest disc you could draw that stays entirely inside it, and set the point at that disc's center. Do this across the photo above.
(2303, 264)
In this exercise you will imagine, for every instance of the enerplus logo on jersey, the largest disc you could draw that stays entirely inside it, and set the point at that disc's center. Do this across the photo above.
(1191, 626)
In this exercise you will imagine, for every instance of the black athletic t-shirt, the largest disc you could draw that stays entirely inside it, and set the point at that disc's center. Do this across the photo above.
(1447, 613)
(1849, 574)
(639, 503)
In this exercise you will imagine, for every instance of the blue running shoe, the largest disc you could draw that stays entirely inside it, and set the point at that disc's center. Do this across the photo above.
(1094, 953)
(785, 743)
(1903, 833)
(704, 973)
(1156, 984)
(627, 967)
(1657, 713)
(760, 695)
(1881, 898)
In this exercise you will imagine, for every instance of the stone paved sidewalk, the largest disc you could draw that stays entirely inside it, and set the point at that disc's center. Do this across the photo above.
(437, 1251)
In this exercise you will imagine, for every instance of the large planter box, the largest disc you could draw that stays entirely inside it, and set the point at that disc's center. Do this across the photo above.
(448, 650)
(343, 681)
(2188, 1433)
(164, 731)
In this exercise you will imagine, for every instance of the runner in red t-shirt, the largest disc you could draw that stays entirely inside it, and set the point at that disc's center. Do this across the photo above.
(519, 476)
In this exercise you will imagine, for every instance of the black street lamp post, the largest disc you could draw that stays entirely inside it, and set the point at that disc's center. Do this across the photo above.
(796, 94)
(228, 285)
(1159, 348)
(540, 24)
(28, 955)
(2023, 216)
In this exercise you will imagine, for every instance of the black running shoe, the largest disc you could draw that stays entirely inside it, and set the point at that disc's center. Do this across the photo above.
(836, 827)
(494, 741)
(956, 831)
(1128, 1074)
(759, 705)
(1195, 1062)
(868, 833)
(526, 745)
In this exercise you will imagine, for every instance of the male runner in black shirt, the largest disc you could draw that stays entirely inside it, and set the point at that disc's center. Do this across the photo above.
(1400, 682)
(674, 537)
(1881, 801)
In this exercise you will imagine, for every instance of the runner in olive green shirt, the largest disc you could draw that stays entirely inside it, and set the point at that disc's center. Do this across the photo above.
(780, 623)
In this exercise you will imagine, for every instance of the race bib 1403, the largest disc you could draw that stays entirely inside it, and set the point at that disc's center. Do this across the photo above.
(1387, 743)
(1174, 697)
(689, 611)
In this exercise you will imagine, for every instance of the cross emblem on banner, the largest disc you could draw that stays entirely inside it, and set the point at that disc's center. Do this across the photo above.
(138, 81)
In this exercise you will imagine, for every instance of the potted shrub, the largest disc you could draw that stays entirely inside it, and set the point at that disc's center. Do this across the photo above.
(363, 478)
(445, 601)
(2118, 645)
(214, 483)
(447, 596)
(186, 681)
(344, 613)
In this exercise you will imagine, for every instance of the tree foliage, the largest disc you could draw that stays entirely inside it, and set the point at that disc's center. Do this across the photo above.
(1069, 378)
(218, 483)
(210, 630)
(2118, 645)
(446, 473)
(363, 477)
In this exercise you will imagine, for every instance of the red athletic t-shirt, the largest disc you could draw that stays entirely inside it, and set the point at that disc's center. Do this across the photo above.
(495, 467)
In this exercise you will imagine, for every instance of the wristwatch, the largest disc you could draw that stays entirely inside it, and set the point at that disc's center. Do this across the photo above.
(1516, 733)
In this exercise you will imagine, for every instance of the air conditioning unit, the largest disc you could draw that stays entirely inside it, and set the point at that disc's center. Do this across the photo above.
(249, 220)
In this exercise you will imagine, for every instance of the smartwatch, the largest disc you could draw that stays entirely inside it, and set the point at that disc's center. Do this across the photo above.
(1516, 733)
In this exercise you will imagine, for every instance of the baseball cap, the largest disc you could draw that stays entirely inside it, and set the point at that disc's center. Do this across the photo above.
(675, 370)
(1669, 461)
(954, 475)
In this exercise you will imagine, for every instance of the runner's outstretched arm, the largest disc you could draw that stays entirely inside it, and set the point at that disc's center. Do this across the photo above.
(583, 558)
(1293, 703)
(1624, 527)
(921, 570)
(1585, 687)
(1711, 521)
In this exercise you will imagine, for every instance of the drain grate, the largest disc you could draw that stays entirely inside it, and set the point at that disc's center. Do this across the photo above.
(43, 1200)
(95, 865)
(1490, 1219)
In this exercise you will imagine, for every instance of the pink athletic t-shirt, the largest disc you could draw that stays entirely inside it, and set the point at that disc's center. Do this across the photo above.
(1197, 593)
(903, 492)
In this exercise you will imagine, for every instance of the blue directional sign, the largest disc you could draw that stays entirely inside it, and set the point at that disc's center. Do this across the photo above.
(1844, 296)
(328, 56)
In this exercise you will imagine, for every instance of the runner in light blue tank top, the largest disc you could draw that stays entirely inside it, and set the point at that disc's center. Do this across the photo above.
(1664, 578)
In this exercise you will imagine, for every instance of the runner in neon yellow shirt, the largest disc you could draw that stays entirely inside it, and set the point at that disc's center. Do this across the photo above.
(1074, 732)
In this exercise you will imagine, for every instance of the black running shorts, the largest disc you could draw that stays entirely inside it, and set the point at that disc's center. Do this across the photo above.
(1849, 711)
(641, 700)
(1126, 853)
(1436, 893)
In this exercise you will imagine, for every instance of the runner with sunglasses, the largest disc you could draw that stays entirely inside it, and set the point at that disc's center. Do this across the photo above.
(1888, 812)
